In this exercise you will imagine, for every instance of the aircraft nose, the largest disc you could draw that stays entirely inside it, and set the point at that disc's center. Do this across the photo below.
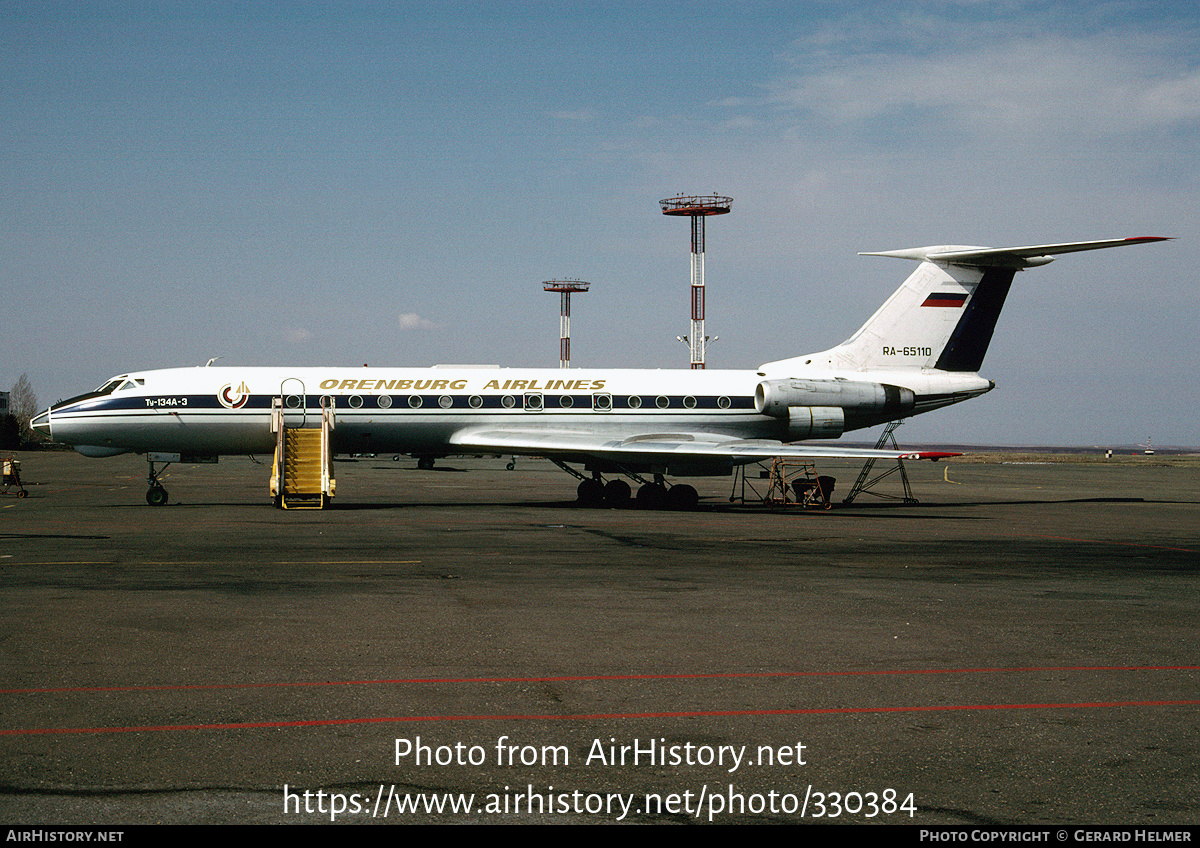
(41, 422)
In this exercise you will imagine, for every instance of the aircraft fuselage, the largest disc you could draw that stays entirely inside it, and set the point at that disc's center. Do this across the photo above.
(227, 410)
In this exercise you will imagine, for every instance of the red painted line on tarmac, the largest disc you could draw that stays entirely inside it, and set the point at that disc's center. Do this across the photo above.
(585, 677)
(253, 725)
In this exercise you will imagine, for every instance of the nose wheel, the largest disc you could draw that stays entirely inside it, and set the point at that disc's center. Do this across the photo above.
(156, 495)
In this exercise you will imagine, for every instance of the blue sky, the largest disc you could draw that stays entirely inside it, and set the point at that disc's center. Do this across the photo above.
(327, 183)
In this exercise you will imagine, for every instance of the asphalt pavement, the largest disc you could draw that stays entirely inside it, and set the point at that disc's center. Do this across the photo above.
(466, 645)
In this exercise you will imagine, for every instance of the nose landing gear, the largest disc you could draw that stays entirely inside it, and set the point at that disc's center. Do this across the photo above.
(156, 495)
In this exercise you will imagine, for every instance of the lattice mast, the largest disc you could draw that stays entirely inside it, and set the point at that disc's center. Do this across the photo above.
(697, 208)
(564, 289)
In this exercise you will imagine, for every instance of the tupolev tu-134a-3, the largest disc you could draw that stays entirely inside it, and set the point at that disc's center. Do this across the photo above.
(921, 350)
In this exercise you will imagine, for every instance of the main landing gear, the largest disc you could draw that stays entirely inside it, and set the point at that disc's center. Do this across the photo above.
(594, 491)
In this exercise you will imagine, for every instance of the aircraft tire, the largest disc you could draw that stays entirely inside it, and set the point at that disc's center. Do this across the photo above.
(617, 494)
(590, 492)
(651, 496)
(682, 497)
(156, 496)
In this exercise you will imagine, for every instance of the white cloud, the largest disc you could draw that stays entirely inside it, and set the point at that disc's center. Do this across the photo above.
(1173, 100)
(298, 335)
(1096, 85)
(413, 321)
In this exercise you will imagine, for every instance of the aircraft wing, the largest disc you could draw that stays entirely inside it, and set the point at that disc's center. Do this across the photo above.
(661, 447)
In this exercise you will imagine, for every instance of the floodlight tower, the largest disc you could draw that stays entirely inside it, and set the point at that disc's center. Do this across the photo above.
(564, 289)
(697, 208)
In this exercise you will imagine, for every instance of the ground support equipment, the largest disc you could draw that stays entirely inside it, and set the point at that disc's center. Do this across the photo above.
(864, 485)
(10, 475)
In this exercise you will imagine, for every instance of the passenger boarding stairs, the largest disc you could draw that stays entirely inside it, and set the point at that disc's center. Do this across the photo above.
(302, 474)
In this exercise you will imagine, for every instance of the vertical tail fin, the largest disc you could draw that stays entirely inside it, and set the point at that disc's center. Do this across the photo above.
(943, 316)
(945, 313)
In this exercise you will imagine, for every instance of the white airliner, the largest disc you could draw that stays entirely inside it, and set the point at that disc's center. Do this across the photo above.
(920, 351)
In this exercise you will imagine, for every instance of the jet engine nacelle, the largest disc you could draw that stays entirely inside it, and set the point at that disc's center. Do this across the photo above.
(858, 404)
(815, 422)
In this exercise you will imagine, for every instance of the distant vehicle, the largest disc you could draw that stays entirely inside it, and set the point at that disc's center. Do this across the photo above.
(922, 350)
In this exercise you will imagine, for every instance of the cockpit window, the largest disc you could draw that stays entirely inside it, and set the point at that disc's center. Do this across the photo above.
(122, 382)
(118, 383)
(110, 387)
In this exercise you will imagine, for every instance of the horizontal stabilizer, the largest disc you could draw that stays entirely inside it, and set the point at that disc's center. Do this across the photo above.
(1028, 256)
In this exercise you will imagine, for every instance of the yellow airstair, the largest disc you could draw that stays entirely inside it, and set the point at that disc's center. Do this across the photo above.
(301, 476)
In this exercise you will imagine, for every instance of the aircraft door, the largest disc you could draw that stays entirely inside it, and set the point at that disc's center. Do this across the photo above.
(295, 403)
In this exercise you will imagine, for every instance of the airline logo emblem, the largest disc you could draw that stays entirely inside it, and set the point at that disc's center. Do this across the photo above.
(231, 399)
